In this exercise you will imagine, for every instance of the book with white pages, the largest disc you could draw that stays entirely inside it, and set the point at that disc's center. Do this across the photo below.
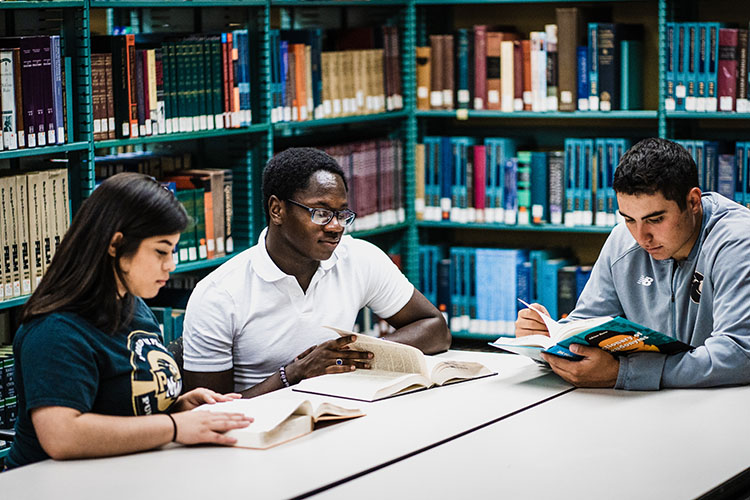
(395, 369)
(277, 421)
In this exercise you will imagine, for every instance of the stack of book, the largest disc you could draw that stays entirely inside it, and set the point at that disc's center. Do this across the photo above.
(725, 173)
(149, 84)
(571, 65)
(464, 283)
(707, 68)
(317, 74)
(467, 180)
(374, 172)
(34, 215)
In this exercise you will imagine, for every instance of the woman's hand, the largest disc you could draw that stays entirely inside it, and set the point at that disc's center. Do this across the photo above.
(333, 356)
(195, 427)
(200, 396)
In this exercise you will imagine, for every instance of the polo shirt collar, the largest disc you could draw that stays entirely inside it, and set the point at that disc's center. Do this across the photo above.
(269, 271)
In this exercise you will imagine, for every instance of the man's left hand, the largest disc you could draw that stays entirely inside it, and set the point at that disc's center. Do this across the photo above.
(598, 368)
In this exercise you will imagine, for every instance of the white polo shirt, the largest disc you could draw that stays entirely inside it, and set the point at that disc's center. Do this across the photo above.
(251, 316)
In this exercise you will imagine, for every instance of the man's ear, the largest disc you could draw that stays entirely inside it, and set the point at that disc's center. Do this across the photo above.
(275, 210)
(114, 243)
(694, 199)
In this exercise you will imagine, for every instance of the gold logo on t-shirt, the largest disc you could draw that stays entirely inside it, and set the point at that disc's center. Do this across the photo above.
(155, 379)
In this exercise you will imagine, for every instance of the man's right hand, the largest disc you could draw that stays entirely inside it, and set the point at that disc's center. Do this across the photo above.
(333, 356)
(529, 321)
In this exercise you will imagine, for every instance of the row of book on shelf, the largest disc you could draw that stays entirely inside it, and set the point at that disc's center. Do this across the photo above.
(34, 215)
(463, 179)
(725, 173)
(8, 402)
(150, 84)
(206, 194)
(479, 288)
(571, 65)
(318, 73)
(33, 92)
(707, 67)
(374, 173)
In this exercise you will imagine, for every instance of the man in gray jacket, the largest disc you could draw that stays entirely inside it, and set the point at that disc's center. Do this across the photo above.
(679, 264)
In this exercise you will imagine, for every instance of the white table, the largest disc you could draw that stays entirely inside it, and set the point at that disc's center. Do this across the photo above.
(593, 444)
(393, 429)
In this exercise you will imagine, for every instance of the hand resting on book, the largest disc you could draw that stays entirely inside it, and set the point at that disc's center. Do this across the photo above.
(332, 356)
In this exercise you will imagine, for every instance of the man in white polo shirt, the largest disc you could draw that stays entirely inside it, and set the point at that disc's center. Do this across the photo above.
(255, 324)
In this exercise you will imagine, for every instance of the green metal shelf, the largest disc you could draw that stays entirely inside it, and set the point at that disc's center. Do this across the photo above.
(558, 115)
(18, 301)
(42, 4)
(4, 453)
(204, 264)
(182, 136)
(514, 227)
(470, 2)
(287, 127)
(337, 3)
(44, 150)
(693, 115)
(174, 3)
(380, 230)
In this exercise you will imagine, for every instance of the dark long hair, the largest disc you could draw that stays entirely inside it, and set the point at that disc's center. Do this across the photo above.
(81, 277)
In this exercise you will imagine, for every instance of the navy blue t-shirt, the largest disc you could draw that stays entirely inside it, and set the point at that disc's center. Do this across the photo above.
(63, 360)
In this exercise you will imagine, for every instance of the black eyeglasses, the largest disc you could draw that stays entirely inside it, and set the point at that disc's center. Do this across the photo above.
(323, 216)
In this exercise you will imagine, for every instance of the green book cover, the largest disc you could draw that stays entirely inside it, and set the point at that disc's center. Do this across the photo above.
(523, 187)
(631, 75)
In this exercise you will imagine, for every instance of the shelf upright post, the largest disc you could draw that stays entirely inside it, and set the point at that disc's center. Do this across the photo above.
(77, 49)
(410, 243)
(664, 130)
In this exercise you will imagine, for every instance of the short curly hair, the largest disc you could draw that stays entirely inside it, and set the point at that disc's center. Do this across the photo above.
(289, 172)
(657, 166)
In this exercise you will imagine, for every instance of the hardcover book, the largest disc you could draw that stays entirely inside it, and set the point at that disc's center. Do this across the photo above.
(395, 369)
(278, 421)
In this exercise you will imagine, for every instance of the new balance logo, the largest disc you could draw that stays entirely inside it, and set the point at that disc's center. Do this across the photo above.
(645, 280)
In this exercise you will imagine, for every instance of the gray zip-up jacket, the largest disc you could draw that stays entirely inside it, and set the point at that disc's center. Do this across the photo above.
(703, 301)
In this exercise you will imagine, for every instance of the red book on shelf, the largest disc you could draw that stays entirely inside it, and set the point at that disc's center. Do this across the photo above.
(479, 181)
(727, 77)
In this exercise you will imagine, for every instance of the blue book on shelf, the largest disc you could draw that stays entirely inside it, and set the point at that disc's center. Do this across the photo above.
(600, 184)
(446, 176)
(461, 147)
(536, 260)
(456, 255)
(586, 188)
(523, 187)
(582, 60)
(539, 188)
(669, 75)
(746, 175)
(710, 151)
(701, 56)
(463, 95)
(498, 150)
(486, 313)
(712, 73)
(691, 75)
(593, 67)
(510, 191)
(571, 167)
(471, 278)
(681, 41)
(740, 160)
(725, 176)
(444, 287)
(432, 178)
(286, 107)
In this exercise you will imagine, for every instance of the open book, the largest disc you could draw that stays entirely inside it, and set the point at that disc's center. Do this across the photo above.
(278, 420)
(395, 369)
(615, 335)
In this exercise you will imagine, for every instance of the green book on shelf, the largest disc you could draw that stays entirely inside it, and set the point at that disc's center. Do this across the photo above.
(631, 74)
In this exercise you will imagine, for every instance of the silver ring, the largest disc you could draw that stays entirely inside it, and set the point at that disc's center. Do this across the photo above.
(339, 361)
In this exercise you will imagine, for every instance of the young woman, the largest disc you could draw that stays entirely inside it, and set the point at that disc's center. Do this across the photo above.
(92, 376)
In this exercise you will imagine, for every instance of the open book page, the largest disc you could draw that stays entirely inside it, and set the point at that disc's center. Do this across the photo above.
(388, 356)
(364, 385)
(559, 331)
(446, 371)
(267, 414)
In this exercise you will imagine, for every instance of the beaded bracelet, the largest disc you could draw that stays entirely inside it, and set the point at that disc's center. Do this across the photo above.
(282, 373)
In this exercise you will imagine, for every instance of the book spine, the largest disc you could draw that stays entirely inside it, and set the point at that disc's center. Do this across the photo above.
(463, 95)
(631, 75)
(583, 78)
(669, 99)
(527, 90)
(448, 71)
(556, 180)
(436, 72)
(742, 54)
(727, 70)
(607, 60)
(568, 26)
(423, 77)
(8, 100)
(691, 70)
(552, 67)
(130, 65)
(593, 66)
(28, 78)
(701, 57)
(97, 95)
(494, 89)
(523, 188)
(57, 85)
(507, 80)
(480, 66)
